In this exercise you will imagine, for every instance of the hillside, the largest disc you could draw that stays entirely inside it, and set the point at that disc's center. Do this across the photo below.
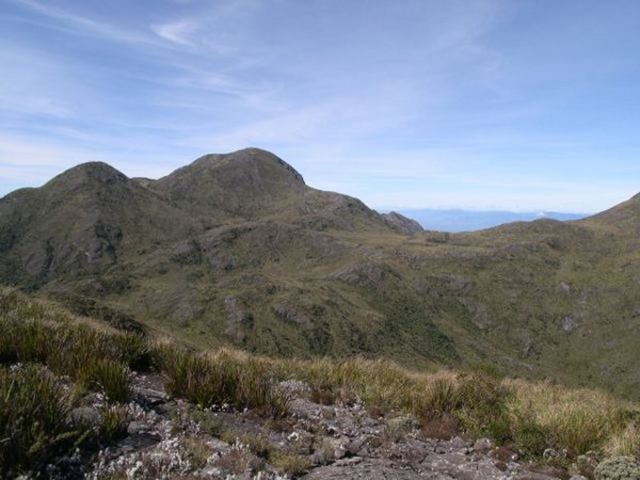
(237, 250)
(79, 400)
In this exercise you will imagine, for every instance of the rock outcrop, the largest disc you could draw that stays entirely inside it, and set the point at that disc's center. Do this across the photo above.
(402, 223)
(167, 438)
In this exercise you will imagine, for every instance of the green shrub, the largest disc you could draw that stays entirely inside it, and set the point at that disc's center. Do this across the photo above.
(618, 468)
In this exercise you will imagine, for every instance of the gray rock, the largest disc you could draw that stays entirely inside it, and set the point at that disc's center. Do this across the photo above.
(482, 445)
(455, 458)
(569, 323)
(550, 453)
(237, 319)
(354, 447)
(372, 469)
(137, 427)
(319, 457)
(348, 462)
(139, 442)
(403, 224)
(458, 443)
(86, 416)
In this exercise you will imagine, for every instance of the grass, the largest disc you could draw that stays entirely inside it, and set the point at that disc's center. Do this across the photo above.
(290, 463)
(625, 444)
(40, 342)
(33, 411)
(577, 419)
(287, 460)
(197, 451)
(529, 417)
(35, 331)
(35, 426)
(90, 357)
(220, 379)
(114, 422)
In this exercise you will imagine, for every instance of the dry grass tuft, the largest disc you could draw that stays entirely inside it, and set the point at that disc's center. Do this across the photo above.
(290, 462)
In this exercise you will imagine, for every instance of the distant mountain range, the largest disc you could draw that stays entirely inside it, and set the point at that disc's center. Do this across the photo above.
(460, 220)
(236, 249)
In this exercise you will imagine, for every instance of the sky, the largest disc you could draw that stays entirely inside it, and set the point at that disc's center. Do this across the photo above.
(482, 104)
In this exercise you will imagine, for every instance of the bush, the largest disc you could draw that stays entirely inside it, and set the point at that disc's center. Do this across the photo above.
(618, 468)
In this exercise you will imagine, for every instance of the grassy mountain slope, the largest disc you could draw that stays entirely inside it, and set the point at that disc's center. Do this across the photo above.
(237, 250)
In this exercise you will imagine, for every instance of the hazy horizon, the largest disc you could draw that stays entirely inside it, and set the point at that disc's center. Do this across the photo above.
(492, 104)
(468, 220)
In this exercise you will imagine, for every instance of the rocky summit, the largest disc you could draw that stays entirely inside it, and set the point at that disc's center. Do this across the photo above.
(236, 249)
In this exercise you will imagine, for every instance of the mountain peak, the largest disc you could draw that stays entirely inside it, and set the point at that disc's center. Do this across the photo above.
(246, 157)
(244, 182)
(96, 168)
(89, 173)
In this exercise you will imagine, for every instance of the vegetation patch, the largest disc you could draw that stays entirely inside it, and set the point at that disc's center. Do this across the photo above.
(220, 379)
(33, 412)
(39, 341)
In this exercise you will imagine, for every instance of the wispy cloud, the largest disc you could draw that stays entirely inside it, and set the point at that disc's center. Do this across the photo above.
(418, 103)
(85, 25)
(177, 32)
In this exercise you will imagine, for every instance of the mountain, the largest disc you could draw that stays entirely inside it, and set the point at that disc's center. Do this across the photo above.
(458, 220)
(236, 249)
(81, 222)
(622, 218)
(252, 185)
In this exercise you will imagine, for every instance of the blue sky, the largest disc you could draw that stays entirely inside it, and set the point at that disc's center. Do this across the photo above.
(521, 105)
